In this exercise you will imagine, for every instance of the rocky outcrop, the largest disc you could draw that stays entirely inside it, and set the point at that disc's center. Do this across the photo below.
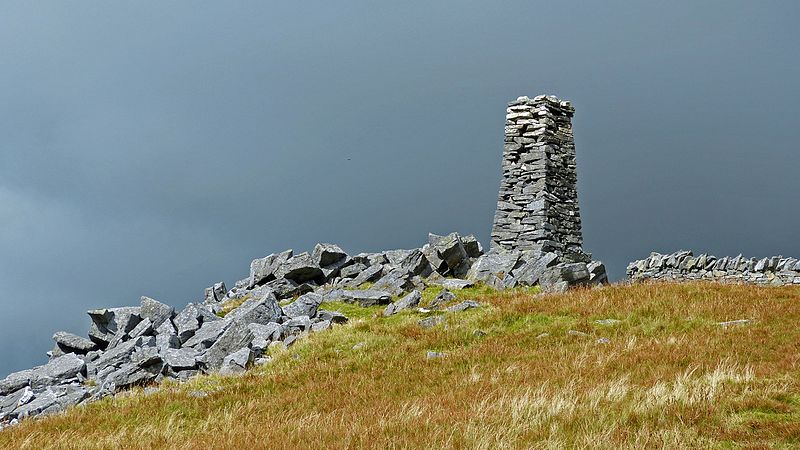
(685, 266)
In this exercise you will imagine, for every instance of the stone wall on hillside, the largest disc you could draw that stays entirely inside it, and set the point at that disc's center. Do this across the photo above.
(537, 208)
(685, 266)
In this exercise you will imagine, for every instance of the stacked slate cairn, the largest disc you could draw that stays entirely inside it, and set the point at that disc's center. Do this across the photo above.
(536, 238)
(685, 266)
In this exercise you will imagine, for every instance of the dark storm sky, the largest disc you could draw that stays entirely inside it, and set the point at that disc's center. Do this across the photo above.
(157, 147)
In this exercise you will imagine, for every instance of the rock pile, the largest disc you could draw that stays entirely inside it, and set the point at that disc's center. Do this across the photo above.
(151, 342)
(684, 266)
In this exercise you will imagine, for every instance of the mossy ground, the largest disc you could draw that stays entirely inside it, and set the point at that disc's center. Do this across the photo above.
(668, 376)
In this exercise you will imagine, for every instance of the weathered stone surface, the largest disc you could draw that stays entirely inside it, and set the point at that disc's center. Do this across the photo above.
(472, 246)
(61, 368)
(332, 316)
(191, 318)
(70, 343)
(559, 277)
(123, 352)
(237, 362)
(463, 306)
(216, 293)
(300, 268)
(207, 334)
(145, 327)
(15, 381)
(305, 305)
(283, 288)
(108, 322)
(236, 336)
(430, 322)
(320, 326)
(416, 263)
(352, 270)
(257, 310)
(263, 270)
(396, 282)
(297, 325)
(131, 374)
(368, 297)
(456, 284)
(409, 301)
(495, 264)
(451, 250)
(328, 254)
(180, 359)
(156, 311)
(531, 270)
(371, 273)
(445, 296)
(263, 335)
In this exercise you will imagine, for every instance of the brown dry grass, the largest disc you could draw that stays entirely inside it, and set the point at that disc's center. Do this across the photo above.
(669, 377)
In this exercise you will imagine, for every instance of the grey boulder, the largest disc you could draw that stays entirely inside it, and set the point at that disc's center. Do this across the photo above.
(300, 268)
(328, 254)
(463, 306)
(409, 301)
(70, 343)
(109, 322)
(367, 297)
(236, 336)
(305, 305)
(237, 362)
(156, 311)
(263, 269)
(257, 310)
(215, 293)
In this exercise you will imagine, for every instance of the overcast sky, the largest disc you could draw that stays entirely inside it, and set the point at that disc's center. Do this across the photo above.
(153, 148)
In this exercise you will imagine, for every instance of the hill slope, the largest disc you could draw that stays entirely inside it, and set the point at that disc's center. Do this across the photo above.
(522, 370)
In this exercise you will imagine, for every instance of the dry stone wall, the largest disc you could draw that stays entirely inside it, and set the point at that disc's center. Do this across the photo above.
(685, 266)
(537, 208)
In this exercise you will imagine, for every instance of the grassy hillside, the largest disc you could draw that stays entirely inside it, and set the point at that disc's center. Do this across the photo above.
(516, 374)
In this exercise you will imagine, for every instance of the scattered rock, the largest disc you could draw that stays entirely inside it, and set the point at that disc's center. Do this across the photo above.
(156, 311)
(435, 355)
(237, 362)
(236, 336)
(444, 297)
(733, 323)
(300, 268)
(70, 343)
(409, 301)
(305, 305)
(463, 306)
(366, 298)
(607, 322)
(430, 322)
(263, 270)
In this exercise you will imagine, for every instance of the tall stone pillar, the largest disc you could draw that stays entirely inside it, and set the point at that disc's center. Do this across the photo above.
(537, 208)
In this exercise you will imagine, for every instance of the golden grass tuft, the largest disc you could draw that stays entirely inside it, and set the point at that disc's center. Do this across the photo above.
(668, 377)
